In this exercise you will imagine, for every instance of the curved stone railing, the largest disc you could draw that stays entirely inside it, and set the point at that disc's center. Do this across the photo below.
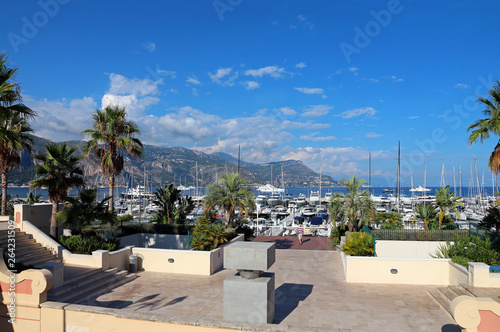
(476, 314)
(28, 288)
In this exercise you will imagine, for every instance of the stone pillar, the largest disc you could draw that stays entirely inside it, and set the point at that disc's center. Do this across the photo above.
(249, 292)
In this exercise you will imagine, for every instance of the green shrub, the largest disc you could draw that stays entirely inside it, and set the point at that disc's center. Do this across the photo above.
(78, 245)
(461, 260)
(475, 250)
(419, 235)
(243, 228)
(359, 244)
(207, 236)
(392, 225)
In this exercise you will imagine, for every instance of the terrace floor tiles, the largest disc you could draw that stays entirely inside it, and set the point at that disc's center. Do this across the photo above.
(310, 291)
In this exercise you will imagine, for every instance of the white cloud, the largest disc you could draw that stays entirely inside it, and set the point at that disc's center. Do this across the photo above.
(413, 117)
(462, 86)
(313, 137)
(339, 162)
(273, 71)
(151, 47)
(251, 85)
(300, 65)
(287, 110)
(367, 111)
(372, 135)
(316, 111)
(352, 69)
(120, 85)
(223, 73)
(193, 80)
(310, 91)
(394, 79)
(60, 120)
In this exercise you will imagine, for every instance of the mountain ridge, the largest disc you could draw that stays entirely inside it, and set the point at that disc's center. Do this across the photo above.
(161, 166)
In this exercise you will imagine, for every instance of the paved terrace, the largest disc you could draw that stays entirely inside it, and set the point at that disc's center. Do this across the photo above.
(310, 291)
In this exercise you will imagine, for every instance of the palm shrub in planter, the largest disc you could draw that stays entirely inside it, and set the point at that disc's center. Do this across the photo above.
(359, 244)
(208, 236)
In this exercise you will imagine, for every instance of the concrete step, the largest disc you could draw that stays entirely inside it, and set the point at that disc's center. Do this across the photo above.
(100, 283)
(34, 252)
(42, 260)
(104, 288)
(28, 248)
(18, 241)
(441, 300)
(447, 293)
(478, 291)
(461, 290)
(81, 281)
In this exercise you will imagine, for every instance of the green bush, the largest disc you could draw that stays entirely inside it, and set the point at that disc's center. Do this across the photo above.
(392, 225)
(419, 235)
(78, 245)
(359, 244)
(207, 236)
(461, 260)
(243, 228)
(475, 250)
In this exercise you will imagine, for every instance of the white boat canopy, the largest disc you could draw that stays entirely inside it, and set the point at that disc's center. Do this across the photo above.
(420, 189)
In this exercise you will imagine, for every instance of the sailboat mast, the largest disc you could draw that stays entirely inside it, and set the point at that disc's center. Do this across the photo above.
(370, 171)
(398, 185)
(239, 148)
(460, 171)
(442, 184)
(454, 183)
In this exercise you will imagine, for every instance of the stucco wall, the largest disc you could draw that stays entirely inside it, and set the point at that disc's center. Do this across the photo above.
(414, 271)
(406, 249)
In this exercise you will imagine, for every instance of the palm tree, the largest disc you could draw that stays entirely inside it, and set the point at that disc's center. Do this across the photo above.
(81, 211)
(231, 193)
(172, 204)
(14, 126)
(356, 207)
(426, 213)
(60, 172)
(446, 202)
(111, 135)
(483, 128)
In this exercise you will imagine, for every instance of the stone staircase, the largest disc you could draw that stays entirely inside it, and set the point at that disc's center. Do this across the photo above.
(444, 295)
(80, 282)
(27, 250)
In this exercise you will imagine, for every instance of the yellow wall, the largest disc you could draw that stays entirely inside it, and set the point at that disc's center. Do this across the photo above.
(410, 271)
(406, 249)
(189, 262)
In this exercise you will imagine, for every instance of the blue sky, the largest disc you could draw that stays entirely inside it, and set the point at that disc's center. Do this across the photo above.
(325, 82)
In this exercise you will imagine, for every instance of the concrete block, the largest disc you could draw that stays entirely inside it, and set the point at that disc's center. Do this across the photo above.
(250, 301)
(250, 255)
(57, 270)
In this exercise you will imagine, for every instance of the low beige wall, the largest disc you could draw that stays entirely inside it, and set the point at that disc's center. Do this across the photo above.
(406, 249)
(184, 261)
(480, 276)
(119, 258)
(413, 271)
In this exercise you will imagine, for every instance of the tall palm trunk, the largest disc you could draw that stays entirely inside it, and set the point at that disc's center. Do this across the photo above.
(111, 182)
(53, 221)
(441, 217)
(4, 192)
